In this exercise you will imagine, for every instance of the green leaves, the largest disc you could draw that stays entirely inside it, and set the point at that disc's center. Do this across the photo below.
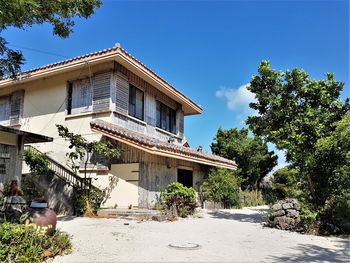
(251, 154)
(82, 147)
(23, 243)
(179, 196)
(222, 186)
(22, 14)
(37, 162)
(307, 119)
(294, 110)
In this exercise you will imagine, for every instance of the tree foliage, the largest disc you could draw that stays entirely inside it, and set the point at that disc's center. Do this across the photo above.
(82, 148)
(26, 13)
(251, 154)
(285, 183)
(332, 161)
(222, 186)
(294, 112)
(331, 168)
(37, 161)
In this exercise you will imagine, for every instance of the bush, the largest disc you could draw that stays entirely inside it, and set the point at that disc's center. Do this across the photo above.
(25, 243)
(251, 198)
(37, 161)
(88, 204)
(222, 186)
(337, 213)
(309, 220)
(179, 199)
(31, 189)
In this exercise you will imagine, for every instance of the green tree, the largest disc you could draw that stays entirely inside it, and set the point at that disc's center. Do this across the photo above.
(222, 186)
(294, 112)
(332, 167)
(26, 13)
(251, 154)
(83, 149)
(285, 183)
(332, 160)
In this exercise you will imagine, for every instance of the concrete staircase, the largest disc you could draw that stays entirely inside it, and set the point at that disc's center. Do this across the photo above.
(64, 173)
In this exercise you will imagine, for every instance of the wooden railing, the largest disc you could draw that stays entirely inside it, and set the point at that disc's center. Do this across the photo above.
(64, 173)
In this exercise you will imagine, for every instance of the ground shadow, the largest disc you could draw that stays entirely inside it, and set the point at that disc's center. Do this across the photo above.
(259, 209)
(314, 253)
(241, 217)
(66, 218)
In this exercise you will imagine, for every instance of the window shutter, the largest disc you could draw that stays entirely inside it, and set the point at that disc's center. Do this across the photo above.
(81, 96)
(102, 92)
(96, 161)
(180, 122)
(122, 94)
(16, 107)
(5, 110)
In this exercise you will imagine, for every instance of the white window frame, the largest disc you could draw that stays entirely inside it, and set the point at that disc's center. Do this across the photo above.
(5, 112)
(81, 89)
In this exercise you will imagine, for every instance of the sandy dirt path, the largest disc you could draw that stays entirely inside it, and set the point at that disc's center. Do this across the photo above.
(223, 236)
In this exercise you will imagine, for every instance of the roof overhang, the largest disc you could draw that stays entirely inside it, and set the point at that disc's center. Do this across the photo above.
(161, 151)
(28, 137)
(113, 54)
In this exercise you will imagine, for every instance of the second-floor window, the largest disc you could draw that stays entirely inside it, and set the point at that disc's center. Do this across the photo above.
(11, 108)
(166, 118)
(4, 110)
(136, 102)
(79, 96)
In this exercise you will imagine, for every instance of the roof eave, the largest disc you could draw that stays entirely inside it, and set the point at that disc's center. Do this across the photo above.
(190, 108)
(120, 56)
(164, 153)
(29, 137)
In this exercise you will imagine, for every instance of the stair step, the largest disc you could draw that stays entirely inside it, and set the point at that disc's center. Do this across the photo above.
(129, 213)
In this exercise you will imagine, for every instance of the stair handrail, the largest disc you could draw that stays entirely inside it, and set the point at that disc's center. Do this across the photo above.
(80, 182)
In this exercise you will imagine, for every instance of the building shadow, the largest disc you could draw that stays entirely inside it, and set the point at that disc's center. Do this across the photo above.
(314, 253)
(240, 217)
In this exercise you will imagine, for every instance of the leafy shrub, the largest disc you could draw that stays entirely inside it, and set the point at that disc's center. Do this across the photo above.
(24, 243)
(37, 161)
(88, 204)
(308, 220)
(337, 212)
(31, 189)
(179, 199)
(221, 186)
(251, 198)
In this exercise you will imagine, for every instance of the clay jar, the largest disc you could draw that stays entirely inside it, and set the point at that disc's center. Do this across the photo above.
(43, 216)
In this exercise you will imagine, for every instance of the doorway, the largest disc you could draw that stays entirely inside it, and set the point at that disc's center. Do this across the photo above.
(185, 177)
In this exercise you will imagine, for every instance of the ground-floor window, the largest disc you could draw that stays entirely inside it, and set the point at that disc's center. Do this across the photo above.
(185, 177)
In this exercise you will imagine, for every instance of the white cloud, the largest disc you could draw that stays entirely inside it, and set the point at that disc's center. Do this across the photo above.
(237, 99)
(281, 162)
(281, 159)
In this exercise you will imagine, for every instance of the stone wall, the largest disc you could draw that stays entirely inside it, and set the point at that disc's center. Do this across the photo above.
(285, 215)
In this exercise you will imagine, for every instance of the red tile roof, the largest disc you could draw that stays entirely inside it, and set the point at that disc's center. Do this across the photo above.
(97, 54)
(158, 147)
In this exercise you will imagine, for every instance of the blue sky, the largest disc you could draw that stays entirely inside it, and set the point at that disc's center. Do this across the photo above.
(209, 49)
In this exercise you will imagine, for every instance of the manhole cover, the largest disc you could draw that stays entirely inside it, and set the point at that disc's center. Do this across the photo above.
(184, 246)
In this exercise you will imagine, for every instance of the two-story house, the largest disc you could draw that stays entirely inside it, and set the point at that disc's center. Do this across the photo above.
(110, 94)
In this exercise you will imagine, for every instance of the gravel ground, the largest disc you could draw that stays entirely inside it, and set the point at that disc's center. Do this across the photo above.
(223, 236)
